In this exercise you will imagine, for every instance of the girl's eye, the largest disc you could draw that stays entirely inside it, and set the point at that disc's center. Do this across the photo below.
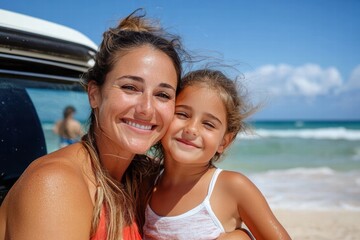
(181, 115)
(209, 125)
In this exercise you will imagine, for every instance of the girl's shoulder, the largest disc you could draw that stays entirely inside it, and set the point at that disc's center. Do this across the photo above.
(232, 177)
(236, 183)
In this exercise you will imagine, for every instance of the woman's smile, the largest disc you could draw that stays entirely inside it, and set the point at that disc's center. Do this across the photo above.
(141, 126)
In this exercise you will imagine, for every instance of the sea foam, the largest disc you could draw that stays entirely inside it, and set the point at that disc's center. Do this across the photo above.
(319, 133)
(310, 188)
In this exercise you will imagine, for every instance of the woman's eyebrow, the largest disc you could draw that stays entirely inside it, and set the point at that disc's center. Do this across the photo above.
(166, 85)
(140, 79)
(132, 77)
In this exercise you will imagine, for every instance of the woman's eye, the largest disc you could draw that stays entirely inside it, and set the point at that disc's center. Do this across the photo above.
(129, 87)
(164, 96)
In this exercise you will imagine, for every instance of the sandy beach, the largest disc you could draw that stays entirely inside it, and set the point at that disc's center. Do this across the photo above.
(320, 225)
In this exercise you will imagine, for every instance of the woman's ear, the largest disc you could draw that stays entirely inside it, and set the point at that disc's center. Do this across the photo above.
(226, 141)
(93, 94)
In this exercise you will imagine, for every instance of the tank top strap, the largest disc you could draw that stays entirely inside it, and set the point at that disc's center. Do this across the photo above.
(213, 181)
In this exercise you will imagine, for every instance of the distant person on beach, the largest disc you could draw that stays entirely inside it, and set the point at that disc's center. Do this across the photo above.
(88, 189)
(68, 128)
(193, 199)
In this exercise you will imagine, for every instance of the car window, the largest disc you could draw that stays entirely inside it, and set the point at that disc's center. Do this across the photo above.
(50, 103)
(49, 100)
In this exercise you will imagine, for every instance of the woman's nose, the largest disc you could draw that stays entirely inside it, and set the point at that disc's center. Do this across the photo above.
(145, 106)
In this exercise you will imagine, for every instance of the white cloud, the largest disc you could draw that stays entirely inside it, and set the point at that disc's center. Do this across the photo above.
(309, 80)
(354, 80)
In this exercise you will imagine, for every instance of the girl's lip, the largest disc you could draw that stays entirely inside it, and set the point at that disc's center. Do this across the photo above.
(186, 142)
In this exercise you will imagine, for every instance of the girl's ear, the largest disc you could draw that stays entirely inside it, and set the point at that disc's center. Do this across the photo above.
(227, 139)
(93, 94)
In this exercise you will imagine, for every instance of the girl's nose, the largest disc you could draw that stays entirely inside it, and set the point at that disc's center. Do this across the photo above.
(191, 131)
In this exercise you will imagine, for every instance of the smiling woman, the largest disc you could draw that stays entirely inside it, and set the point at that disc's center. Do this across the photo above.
(131, 108)
(146, 106)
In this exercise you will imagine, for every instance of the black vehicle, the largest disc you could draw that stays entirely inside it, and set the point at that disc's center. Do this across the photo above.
(40, 67)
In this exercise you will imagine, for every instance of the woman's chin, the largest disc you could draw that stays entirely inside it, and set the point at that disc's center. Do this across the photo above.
(139, 148)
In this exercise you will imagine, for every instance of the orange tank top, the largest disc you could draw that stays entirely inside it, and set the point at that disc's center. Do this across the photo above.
(129, 232)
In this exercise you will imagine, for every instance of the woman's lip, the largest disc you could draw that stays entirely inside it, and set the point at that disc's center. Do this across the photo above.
(139, 125)
(186, 142)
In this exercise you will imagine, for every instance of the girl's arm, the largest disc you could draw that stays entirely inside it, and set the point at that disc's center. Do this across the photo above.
(254, 209)
(238, 234)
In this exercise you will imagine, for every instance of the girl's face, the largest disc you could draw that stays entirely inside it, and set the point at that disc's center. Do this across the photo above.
(198, 129)
(136, 104)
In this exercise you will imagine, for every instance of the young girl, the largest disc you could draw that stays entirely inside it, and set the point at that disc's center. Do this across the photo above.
(192, 199)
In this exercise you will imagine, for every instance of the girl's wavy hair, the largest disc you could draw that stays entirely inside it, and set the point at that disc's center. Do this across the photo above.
(124, 198)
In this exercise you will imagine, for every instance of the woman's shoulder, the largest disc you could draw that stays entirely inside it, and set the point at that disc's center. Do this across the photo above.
(51, 190)
(51, 175)
(65, 164)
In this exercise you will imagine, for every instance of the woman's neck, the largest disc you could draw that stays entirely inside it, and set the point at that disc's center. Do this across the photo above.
(114, 159)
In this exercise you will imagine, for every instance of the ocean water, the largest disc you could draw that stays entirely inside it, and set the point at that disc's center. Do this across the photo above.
(301, 165)
(295, 164)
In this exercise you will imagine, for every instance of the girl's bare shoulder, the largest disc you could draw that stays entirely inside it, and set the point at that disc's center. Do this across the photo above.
(235, 182)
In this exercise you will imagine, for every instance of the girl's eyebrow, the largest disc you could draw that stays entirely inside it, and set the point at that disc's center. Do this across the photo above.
(140, 79)
(184, 106)
(209, 115)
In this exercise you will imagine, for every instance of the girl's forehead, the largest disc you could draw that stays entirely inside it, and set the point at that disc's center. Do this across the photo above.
(202, 101)
(198, 90)
(199, 94)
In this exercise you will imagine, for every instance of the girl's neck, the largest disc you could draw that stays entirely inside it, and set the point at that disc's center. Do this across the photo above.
(181, 174)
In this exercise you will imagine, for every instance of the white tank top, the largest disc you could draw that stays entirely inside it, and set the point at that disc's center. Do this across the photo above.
(198, 223)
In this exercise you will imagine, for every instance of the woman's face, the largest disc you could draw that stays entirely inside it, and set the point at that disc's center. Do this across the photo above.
(136, 104)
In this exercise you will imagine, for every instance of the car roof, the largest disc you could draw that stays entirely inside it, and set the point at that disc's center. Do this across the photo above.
(41, 49)
(42, 27)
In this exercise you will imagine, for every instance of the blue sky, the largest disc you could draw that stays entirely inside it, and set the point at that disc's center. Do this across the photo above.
(300, 58)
